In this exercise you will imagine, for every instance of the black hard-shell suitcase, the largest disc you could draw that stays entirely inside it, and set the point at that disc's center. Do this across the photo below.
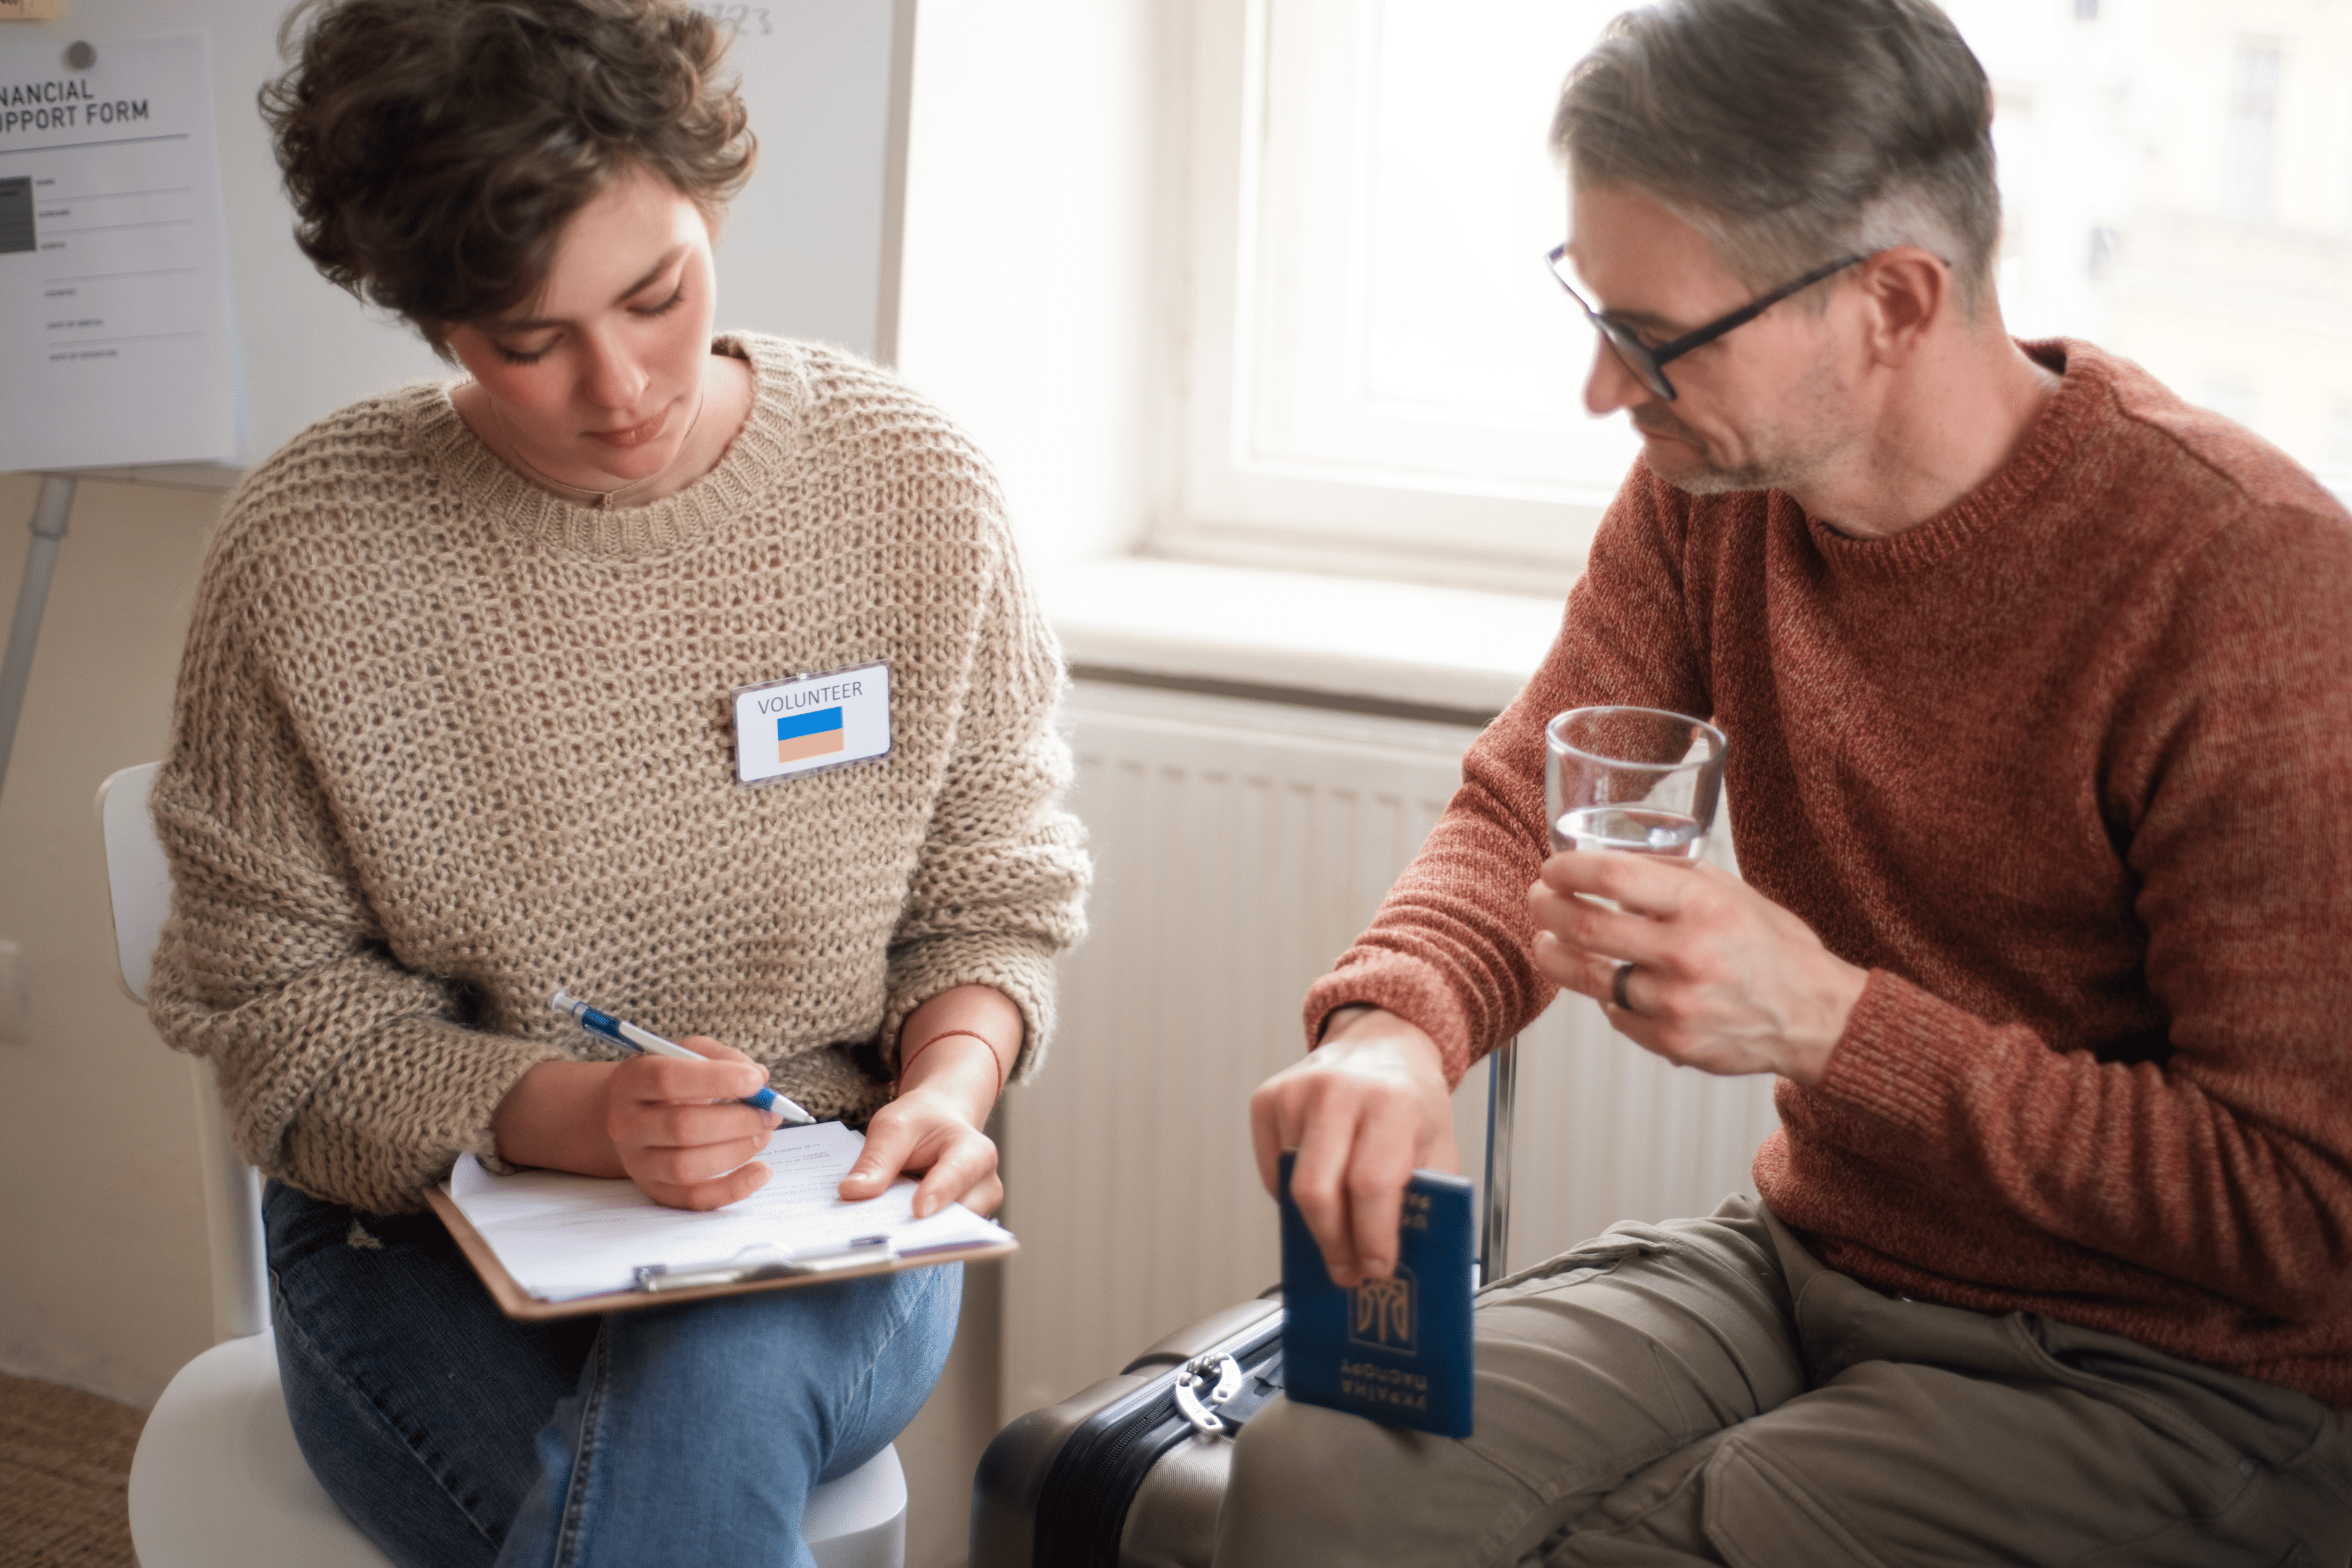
(1131, 1472)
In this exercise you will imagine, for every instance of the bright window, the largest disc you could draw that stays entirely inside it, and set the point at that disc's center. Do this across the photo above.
(1383, 378)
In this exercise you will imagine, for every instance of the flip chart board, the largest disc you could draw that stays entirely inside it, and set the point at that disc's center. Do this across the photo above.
(803, 252)
(114, 344)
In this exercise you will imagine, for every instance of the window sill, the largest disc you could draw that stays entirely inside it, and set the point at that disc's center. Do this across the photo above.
(1409, 649)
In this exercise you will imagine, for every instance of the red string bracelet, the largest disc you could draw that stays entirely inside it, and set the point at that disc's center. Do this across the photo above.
(907, 1059)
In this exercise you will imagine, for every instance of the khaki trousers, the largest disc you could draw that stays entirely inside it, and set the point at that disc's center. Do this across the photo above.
(1706, 1391)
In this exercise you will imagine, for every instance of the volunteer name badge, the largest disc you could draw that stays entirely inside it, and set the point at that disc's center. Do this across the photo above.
(812, 722)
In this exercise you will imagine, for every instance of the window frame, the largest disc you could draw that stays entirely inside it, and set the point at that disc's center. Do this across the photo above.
(1230, 506)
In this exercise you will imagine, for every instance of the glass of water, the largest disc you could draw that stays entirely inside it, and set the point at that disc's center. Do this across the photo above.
(1636, 780)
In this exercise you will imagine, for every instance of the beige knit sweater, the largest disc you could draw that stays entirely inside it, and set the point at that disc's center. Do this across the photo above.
(445, 742)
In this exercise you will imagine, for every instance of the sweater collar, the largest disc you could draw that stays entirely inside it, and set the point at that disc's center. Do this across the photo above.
(521, 511)
(2053, 437)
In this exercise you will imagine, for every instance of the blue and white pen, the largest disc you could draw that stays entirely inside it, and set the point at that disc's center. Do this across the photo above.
(629, 1037)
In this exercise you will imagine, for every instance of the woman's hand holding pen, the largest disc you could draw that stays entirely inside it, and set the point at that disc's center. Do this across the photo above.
(674, 1126)
(679, 1132)
(948, 1083)
(670, 1125)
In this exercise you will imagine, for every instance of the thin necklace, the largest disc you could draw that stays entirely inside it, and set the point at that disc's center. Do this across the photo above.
(603, 499)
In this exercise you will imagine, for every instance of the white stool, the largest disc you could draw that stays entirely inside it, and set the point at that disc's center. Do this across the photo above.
(217, 1481)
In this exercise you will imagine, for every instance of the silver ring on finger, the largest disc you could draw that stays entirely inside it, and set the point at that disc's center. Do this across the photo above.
(1617, 986)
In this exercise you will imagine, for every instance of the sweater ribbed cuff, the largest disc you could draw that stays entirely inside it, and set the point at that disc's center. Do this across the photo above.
(1413, 993)
(387, 1118)
(1023, 974)
(511, 1065)
(1904, 1060)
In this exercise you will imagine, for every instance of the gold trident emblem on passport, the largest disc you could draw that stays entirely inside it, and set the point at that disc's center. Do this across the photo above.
(1382, 1313)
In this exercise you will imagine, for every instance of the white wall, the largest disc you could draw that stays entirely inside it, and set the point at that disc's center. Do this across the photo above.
(1043, 208)
(802, 253)
(103, 1225)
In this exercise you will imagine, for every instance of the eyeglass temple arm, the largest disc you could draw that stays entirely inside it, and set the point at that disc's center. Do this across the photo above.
(1748, 312)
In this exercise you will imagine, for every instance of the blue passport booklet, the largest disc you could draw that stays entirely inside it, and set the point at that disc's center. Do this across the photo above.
(1395, 1350)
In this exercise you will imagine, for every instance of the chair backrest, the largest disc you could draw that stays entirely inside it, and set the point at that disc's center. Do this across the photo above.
(139, 890)
(138, 878)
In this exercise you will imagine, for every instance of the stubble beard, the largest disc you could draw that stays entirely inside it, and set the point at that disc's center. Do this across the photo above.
(1783, 460)
(1703, 475)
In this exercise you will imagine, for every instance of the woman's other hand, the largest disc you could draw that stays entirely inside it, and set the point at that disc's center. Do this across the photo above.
(954, 1052)
(931, 1131)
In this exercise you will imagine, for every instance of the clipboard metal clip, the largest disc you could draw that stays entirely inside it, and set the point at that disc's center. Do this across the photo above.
(864, 1252)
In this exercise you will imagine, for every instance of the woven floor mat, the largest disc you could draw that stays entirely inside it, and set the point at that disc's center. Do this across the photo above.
(65, 1464)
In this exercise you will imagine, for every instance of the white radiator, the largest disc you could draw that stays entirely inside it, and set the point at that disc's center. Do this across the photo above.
(1239, 848)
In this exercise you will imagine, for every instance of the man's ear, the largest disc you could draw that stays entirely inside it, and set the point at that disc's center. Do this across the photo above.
(1906, 292)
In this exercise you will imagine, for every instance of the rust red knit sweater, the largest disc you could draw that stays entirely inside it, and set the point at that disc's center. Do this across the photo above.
(2069, 770)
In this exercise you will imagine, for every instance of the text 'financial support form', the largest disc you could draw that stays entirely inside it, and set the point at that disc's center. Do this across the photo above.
(114, 319)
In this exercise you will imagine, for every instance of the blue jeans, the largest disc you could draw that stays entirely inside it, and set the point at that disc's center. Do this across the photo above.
(692, 1433)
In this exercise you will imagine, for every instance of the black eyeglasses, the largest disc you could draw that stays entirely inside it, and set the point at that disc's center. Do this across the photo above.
(1648, 363)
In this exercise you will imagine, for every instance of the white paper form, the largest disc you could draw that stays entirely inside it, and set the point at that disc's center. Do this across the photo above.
(562, 1236)
(114, 317)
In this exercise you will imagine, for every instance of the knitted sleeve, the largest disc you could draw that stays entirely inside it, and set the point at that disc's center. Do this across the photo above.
(1451, 947)
(342, 1072)
(1000, 885)
(2227, 1159)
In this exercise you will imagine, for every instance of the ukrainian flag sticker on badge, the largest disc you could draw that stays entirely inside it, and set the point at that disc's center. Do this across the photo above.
(800, 736)
(812, 722)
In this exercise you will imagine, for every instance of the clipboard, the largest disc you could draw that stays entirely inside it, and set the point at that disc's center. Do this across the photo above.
(663, 1289)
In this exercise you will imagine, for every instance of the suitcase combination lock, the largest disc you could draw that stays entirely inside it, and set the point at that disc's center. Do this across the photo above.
(1220, 1378)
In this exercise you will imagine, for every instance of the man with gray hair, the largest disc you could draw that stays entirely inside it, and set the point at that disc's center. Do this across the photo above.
(2037, 684)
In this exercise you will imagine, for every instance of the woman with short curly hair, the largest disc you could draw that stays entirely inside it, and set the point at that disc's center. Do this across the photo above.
(433, 152)
(457, 727)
